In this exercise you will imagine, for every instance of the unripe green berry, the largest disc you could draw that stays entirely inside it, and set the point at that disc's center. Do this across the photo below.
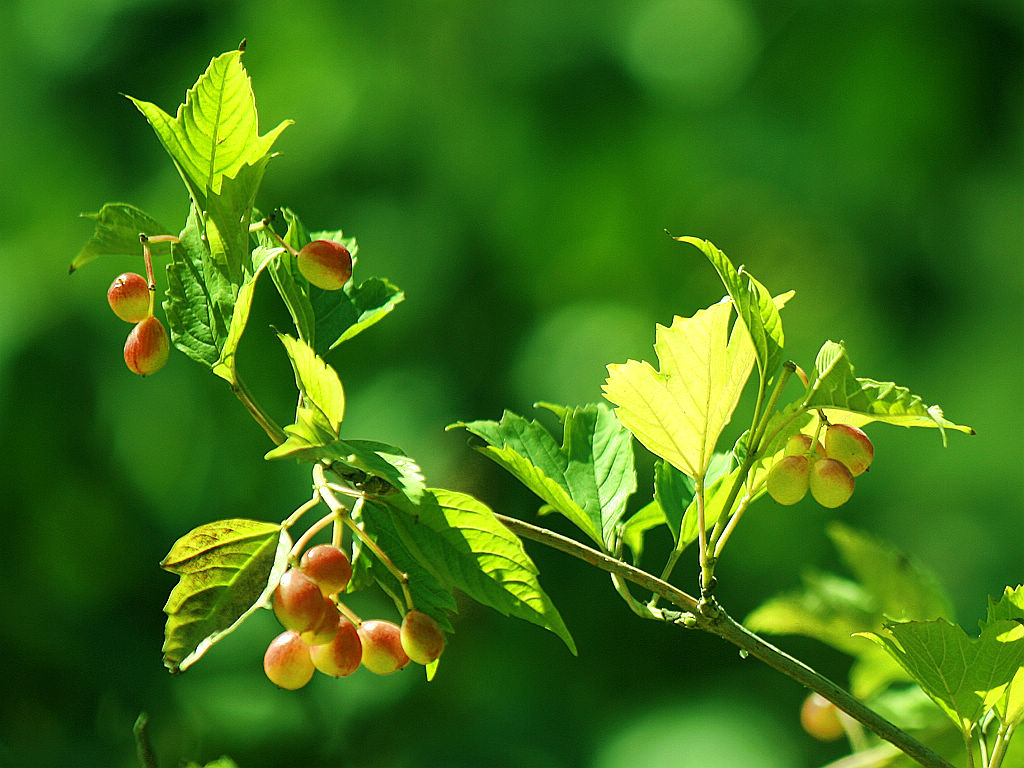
(787, 479)
(147, 348)
(328, 567)
(831, 483)
(287, 663)
(800, 445)
(342, 655)
(129, 297)
(326, 264)
(382, 647)
(820, 718)
(422, 638)
(850, 446)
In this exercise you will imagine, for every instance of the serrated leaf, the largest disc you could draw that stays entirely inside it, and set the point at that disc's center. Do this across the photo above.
(754, 305)
(1010, 607)
(215, 133)
(588, 478)
(317, 381)
(835, 386)
(460, 540)
(965, 676)
(343, 314)
(117, 230)
(679, 411)
(227, 570)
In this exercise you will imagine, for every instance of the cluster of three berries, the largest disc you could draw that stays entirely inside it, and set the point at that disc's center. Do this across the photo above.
(320, 635)
(827, 470)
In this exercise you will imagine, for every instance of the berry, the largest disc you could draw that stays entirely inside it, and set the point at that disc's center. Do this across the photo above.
(787, 479)
(382, 646)
(129, 297)
(820, 718)
(326, 627)
(422, 638)
(328, 567)
(326, 264)
(298, 602)
(147, 347)
(850, 446)
(287, 662)
(831, 483)
(800, 445)
(342, 655)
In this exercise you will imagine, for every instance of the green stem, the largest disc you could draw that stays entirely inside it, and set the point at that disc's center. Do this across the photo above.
(999, 747)
(262, 417)
(721, 624)
(143, 746)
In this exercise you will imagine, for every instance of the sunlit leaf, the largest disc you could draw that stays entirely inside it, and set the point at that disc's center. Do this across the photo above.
(118, 226)
(319, 383)
(226, 571)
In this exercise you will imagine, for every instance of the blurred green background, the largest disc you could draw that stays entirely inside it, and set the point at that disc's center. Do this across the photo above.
(513, 166)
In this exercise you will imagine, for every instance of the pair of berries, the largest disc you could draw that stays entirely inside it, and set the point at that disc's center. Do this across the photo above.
(147, 348)
(319, 636)
(826, 470)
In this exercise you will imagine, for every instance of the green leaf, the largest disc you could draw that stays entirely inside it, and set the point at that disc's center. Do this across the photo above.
(754, 305)
(118, 226)
(215, 133)
(200, 297)
(588, 478)
(635, 528)
(317, 381)
(965, 676)
(227, 570)
(459, 539)
(835, 387)
(225, 365)
(341, 315)
(1009, 608)
(429, 593)
(679, 411)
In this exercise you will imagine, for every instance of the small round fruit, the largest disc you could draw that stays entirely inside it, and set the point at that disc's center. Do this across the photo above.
(324, 629)
(129, 297)
(147, 347)
(820, 718)
(342, 655)
(298, 602)
(328, 567)
(287, 662)
(787, 479)
(800, 445)
(831, 483)
(850, 446)
(422, 638)
(326, 264)
(382, 646)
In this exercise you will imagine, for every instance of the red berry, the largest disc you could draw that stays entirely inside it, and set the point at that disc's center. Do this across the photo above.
(328, 567)
(326, 264)
(287, 662)
(298, 602)
(129, 297)
(820, 718)
(326, 628)
(382, 647)
(147, 347)
(422, 638)
(342, 655)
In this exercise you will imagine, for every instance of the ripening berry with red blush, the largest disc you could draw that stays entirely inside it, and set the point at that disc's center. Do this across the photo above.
(147, 348)
(422, 638)
(328, 567)
(326, 264)
(129, 297)
(382, 646)
(287, 662)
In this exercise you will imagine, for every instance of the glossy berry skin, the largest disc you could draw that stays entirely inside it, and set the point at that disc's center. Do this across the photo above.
(342, 655)
(129, 297)
(422, 638)
(326, 264)
(382, 647)
(820, 718)
(326, 627)
(287, 662)
(800, 445)
(788, 479)
(298, 602)
(328, 567)
(147, 348)
(850, 446)
(831, 483)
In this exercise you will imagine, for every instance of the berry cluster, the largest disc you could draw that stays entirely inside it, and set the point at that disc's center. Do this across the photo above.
(321, 633)
(828, 469)
(147, 348)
